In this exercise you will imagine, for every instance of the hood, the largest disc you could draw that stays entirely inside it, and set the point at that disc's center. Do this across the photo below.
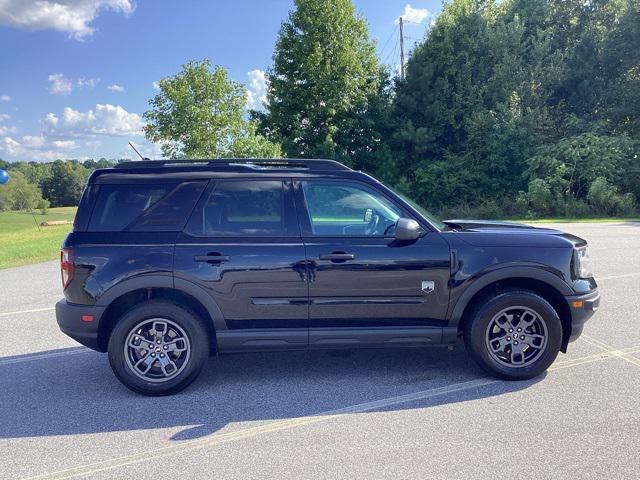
(507, 234)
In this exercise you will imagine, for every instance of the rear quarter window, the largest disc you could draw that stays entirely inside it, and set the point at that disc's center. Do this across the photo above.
(162, 207)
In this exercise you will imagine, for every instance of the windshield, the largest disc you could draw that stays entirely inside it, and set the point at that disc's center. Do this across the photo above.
(428, 215)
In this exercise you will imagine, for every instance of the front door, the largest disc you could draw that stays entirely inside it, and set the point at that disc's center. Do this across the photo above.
(242, 245)
(364, 286)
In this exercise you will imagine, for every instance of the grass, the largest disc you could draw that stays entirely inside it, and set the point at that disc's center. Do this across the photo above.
(21, 242)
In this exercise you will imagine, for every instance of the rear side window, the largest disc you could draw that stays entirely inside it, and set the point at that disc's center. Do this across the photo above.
(144, 207)
(244, 208)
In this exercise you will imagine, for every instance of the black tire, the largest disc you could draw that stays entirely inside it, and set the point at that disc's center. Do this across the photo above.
(477, 339)
(188, 362)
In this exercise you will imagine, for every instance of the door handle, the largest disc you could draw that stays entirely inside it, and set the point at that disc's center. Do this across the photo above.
(337, 256)
(212, 258)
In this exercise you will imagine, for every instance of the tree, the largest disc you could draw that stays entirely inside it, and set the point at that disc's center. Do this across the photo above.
(64, 186)
(19, 194)
(199, 113)
(324, 97)
(502, 93)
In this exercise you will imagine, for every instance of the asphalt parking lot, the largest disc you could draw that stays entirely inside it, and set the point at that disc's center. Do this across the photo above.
(342, 414)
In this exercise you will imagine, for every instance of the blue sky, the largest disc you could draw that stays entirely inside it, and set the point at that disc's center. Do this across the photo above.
(76, 75)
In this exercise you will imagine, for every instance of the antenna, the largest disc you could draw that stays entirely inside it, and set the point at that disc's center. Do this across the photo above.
(136, 150)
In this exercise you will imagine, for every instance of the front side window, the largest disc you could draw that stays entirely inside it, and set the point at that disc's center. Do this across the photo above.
(349, 209)
(243, 208)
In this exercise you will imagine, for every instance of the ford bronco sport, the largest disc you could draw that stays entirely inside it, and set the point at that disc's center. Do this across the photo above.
(171, 261)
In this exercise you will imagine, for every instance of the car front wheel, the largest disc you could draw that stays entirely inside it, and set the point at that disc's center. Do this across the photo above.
(158, 348)
(514, 335)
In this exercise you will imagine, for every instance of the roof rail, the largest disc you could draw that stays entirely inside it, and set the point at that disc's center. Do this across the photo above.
(308, 164)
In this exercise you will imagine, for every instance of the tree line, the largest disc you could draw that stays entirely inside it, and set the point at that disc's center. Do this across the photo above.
(38, 186)
(507, 108)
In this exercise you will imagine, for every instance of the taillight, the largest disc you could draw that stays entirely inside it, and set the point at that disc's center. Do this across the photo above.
(66, 266)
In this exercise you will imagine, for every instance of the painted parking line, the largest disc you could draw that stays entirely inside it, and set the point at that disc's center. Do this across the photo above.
(608, 348)
(281, 425)
(21, 312)
(42, 356)
(622, 353)
(622, 275)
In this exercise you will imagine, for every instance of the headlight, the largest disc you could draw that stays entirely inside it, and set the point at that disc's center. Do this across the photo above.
(581, 263)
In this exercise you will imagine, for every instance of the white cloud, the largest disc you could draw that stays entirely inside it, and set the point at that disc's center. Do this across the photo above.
(6, 130)
(116, 88)
(257, 90)
(71, 16)
(59, 84)
(4, 116)
(5, 98)
(103, 120)
(156, 85)
(33, 141)
(414, 15)
(87, 82)
(37, 147)
(51, 119)
(64, 144)
(10, 146)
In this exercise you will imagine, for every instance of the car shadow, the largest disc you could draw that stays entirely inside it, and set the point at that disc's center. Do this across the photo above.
(78, 394)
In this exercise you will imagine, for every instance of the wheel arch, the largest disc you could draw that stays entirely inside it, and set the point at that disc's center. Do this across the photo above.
(125, 296)
(543, 283)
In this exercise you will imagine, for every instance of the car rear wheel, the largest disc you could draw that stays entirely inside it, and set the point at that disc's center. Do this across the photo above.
(514, 335)
(158, 348)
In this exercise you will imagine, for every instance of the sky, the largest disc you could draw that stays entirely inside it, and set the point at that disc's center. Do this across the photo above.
(76, 75)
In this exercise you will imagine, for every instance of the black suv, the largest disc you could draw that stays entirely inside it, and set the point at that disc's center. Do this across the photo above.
(171, 261)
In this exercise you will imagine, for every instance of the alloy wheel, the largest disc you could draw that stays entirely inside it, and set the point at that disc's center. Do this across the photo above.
(516, 337)
(157, 350)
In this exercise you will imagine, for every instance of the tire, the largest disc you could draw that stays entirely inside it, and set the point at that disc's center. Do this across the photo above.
(175, 338)
(491, 326)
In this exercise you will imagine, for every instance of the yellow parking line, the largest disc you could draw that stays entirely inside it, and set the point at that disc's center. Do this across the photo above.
(608, 348)
(624, 354)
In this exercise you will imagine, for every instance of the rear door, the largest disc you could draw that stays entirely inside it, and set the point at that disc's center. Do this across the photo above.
(242, 245)
(365, 287)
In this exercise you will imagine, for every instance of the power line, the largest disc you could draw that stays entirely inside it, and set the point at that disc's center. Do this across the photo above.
(392, 53)
(401, 48)
(386, 44)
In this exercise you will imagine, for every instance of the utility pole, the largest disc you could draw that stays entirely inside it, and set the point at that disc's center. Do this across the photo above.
(401, 49)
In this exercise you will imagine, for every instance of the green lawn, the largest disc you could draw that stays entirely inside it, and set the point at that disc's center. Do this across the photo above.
(22, 243)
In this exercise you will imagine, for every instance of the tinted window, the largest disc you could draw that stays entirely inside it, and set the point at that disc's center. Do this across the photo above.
(172, 211)
(118, 205)
(241, 208)
(144, 207)
(349, 209)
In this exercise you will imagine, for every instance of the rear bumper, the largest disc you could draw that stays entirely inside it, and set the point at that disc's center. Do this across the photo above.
(70, 320)
(582, 309)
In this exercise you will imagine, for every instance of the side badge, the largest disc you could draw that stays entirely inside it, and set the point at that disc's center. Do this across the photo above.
(428, 286)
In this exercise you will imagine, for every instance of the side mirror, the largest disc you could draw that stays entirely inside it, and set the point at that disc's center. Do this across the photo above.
(407, 229)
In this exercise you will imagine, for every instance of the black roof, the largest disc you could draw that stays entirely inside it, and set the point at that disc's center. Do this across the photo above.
(149, 171)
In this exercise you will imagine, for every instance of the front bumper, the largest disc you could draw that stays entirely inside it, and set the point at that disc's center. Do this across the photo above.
(582, 309)
(80, 322)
